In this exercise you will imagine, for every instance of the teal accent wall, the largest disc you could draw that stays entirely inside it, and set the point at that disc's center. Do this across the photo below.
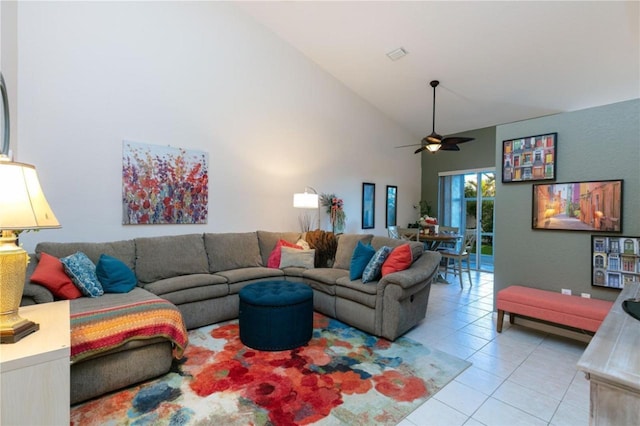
(593, 144)
(477, 154)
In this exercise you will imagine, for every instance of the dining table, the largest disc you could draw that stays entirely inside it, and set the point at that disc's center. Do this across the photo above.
(433, 241)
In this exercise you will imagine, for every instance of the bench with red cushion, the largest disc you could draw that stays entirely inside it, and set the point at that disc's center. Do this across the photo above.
(573, 311)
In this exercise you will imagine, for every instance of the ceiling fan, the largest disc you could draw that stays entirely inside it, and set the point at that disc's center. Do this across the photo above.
(435, 142)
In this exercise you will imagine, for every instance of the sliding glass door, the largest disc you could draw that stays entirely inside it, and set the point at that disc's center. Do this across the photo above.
(466, 201)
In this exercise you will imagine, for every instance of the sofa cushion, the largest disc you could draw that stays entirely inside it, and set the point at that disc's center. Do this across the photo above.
(267, 241)
(114, 275)
(297, 257)
(185, 282)
(86, 304)
(355, 291)
(170, 256)
(247, 274)
(399, 259)
(346, 244)
(276, 253)
(325, 275)
(82, 272)
(197, 294)
(232, 251)
(123, 250)
(362, 254)
(49, 272)
(373, 268)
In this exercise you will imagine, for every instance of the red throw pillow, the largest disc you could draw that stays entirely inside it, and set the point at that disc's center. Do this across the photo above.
(50, 274)
(276, 254)
(399, 260)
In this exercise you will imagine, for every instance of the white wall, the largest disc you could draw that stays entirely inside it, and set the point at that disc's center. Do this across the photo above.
(199, 75)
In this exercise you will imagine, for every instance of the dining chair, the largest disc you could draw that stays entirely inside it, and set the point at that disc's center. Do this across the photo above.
(393, 232)
(406, 234)
(450, 230)
(410, 234)
(457, 256)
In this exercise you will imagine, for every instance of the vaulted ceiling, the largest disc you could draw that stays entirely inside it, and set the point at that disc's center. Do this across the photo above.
(497, 62)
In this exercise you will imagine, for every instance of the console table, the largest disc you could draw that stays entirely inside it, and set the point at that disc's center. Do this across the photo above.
(612, 363)
(35, 372)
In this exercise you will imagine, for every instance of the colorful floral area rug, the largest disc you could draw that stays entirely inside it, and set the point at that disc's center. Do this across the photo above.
(342, 377)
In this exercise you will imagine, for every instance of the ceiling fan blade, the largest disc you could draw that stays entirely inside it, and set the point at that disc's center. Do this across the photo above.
(449, 147)
(405, 146)
(456, 140)
(419, 150)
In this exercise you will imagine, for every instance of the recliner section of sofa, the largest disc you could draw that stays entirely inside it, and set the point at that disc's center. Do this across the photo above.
(202, 274)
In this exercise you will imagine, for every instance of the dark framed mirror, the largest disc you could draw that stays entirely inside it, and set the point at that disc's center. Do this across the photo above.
(4, 116)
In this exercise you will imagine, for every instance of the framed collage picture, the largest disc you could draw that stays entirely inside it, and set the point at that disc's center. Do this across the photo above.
(615, 261)
(529, 159)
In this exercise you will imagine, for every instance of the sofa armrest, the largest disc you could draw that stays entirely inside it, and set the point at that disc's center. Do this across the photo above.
(423, 269)
(35, 293)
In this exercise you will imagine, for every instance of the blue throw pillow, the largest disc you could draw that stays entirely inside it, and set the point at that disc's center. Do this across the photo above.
(362, 254)
(82, 272)
(373, 269)
(114, 275)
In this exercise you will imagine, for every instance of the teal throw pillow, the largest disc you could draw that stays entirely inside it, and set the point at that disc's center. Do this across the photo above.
(362, 254)
(373, 269)
(114, 275)
(82, 272)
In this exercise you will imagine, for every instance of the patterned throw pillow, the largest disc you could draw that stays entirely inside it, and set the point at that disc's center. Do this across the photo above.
(399, 260)
(82, 272)
(114, 275)
(372, 271)
(362, 254)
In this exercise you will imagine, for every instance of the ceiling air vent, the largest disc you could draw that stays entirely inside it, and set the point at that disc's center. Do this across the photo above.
(394, 55)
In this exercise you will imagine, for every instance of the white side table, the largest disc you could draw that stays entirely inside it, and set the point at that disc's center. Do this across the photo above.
(35, 372)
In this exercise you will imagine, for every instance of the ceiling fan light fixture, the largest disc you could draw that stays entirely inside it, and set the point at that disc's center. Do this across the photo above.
(433, 146)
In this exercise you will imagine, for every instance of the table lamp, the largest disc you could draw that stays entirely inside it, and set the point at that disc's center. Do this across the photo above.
(23, 206)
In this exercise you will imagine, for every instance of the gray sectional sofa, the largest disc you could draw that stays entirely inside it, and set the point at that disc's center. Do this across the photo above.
(202, 274)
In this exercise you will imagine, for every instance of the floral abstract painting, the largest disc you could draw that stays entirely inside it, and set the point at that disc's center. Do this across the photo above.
(164, 185)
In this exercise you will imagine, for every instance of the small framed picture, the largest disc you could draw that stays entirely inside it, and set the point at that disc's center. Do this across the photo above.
(368, 205)
(594, 206)
(529, 159)
(614, 261)
(392, 205)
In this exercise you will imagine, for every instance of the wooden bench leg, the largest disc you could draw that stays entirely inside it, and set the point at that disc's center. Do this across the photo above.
(500, 320)
(512, 317)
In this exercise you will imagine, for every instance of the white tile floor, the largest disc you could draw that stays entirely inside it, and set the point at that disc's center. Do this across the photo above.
(518, 377)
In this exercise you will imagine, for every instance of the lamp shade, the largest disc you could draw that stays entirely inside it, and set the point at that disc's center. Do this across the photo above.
(305, 200)
(22, 202)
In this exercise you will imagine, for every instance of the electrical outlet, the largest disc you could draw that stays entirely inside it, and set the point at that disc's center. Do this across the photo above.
(586, 295)
(566, 291)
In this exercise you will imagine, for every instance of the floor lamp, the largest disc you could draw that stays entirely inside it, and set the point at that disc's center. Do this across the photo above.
(307, 200)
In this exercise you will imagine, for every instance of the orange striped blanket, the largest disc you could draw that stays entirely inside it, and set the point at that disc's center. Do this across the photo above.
(105, 329)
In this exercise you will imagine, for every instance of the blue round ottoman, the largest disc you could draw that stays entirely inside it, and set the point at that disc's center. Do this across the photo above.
(276, 315)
